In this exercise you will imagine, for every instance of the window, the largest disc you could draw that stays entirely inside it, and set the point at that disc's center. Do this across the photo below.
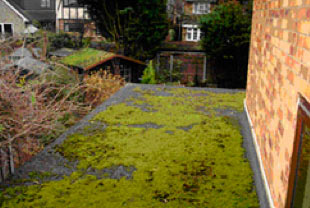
(201, 8)
(73, 27)
(71, 3)
(193, 33)
(6, 29)
(299, 181)
(45, 3)
(189, 33)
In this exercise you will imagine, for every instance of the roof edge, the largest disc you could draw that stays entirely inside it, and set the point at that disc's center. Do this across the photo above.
(25, 19)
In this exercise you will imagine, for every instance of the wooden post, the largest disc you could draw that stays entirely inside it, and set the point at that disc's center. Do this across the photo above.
(3, 164)
(11, 155)
(171, 67)
(158, 62)
(204, 68)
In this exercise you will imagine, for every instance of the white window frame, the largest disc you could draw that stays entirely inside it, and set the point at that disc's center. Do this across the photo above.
(2, 28)
(190, 32)
(201, 7)
(45, 3)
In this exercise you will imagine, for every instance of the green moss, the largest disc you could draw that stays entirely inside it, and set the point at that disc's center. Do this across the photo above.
(200, 167)
(86, 57)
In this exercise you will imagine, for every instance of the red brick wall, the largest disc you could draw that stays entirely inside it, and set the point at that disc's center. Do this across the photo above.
(279, 72)
(189, 65)
(89, 27)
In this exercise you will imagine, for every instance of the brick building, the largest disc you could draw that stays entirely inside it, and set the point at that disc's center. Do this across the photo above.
(278, 97)
(42, 11)
(73, 18)
(185, 15)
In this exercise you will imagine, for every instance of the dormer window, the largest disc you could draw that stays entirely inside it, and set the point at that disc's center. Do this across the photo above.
(45, 3)
(201, 8)
(71, 3)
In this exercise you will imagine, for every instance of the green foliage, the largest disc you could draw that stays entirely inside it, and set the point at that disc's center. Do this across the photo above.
(138, 26)
(62, 40)
(149, 74)
(226, 41)
(202, 166)
(174, 76)
(86, 42)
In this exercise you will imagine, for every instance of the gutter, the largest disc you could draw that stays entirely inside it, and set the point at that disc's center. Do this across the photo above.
(259, 157)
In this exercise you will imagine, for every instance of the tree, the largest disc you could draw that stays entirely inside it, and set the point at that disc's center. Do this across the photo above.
(138, 26)
(227, 31)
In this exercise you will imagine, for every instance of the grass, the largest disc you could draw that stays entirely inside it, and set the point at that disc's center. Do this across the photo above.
(202, 165)
(86, 57)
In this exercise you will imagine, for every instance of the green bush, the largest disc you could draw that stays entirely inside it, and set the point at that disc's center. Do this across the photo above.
(227, 31)
(149, 74)
(86, 42)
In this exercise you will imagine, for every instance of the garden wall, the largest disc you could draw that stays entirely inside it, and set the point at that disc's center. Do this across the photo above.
(279, 75)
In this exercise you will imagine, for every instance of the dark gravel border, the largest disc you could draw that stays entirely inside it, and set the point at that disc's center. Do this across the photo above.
(50, 161)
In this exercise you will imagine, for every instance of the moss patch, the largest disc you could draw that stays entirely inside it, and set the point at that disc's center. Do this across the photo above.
(86, 57)
(202, 166)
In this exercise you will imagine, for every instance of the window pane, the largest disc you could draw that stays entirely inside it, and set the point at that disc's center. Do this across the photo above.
(0, 28)
(43, 3)
(8, 29)
(302, 189)
(189, 36)
(66, 28)
(195, 35)
(195, 8)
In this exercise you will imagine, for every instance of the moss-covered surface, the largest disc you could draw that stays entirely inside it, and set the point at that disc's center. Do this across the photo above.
(184, 154)
(86, 57)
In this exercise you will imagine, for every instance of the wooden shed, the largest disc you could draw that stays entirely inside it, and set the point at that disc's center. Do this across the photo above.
(89, 60)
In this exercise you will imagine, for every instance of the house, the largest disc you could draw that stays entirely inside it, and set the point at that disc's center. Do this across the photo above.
(38, 11)
(13, 21)
(278, 99)
(185, 15)
(90, 60)
(73, 18)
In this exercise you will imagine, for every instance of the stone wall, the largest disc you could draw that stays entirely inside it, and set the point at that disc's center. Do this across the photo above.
(7, 15)
(279, 73)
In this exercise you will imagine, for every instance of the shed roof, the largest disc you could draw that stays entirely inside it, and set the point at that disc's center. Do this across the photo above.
(63, 52)
(89, 58)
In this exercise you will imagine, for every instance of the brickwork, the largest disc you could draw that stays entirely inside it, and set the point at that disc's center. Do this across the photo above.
(189, 65)
(89, 27)
(7, 15)
(279, 72)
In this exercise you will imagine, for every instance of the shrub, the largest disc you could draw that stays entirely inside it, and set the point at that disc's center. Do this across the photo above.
(226, 42)
(149, 75)
(174, 76)
(100, 86)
